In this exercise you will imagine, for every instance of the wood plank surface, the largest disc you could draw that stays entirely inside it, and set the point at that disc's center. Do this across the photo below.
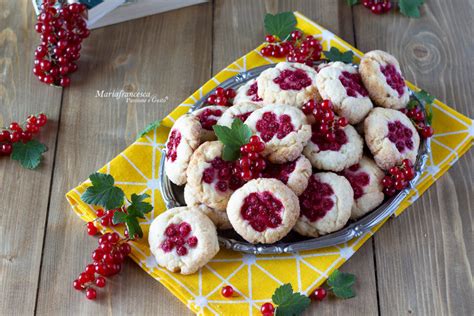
(424, 258)
(239, 24)
(23, 193)
(168, 55)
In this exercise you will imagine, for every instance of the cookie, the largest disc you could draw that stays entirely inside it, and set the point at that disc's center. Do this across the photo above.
(241, 111)
(263, 211)
(183, 239)
(283, 129)
(341, 153)
(208, 117)
(365, 178)
(210, 177)
(325, 205)
(247, 93)
(218, 217)
(294, 174)
(391, 137)
(383, 79)
(342, 85)
(183, 139)
(287, 83)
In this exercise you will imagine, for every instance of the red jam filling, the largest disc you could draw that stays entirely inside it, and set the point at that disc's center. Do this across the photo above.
(243, 116)
(394, 78)
(323, 143)
(316, 200)
(358, 180)
(252, 91)
(353, 84)
(220, 174)
(177, 236)
(279, 171)
(270, 125)
(209, 117)
(400, 135)
(292, 79)
(172, 145)
(262, 210)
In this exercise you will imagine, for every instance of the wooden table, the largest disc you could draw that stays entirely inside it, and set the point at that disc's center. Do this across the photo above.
(419, 264)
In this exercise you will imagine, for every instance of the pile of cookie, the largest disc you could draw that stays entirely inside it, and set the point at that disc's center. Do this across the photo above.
(311, 173)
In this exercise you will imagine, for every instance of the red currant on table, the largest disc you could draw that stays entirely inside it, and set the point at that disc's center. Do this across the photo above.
(20, 132)
(91, 229)
(318, 294)
(107, 261)
(267, 309)
(62, 31)
(227, 291)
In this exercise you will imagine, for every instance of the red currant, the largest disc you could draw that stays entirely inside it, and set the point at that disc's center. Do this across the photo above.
(100, 281)
(77, 285)
(267, 309)
(227, 291)
(270, 38)
(91, 229)
(91, 294)
(318, 294)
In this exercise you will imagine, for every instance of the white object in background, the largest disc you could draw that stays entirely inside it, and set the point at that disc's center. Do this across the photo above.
(115, 11)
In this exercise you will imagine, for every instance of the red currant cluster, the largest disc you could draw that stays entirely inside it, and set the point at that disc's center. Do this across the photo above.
(398, 177)
(377, 6)
(15, 132)
(418, 118)
(62, 31)
(298, 48)
(105, 218)
(222, 97)
(107, 261)
(251, 163)
(326, 120)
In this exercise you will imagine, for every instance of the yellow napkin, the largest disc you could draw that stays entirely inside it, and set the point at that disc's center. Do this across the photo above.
(136, 170)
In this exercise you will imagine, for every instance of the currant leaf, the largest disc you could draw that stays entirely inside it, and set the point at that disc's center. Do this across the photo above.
(335, 54)
(137, 207)
(150, 127)
(424, 96)
(352, 2)
(232, 138)
(131, 223)
(410, 8)
(289, 303)
(103, 192)
(281, 24)
(28, 154)
(341, 284)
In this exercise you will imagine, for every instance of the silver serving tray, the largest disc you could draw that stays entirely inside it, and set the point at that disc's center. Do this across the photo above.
(293, 242)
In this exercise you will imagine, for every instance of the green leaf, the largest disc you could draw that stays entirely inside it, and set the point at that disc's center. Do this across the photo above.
(352, 2)
(412, 104)
(341, 284)
(343, 292)
(281, 24)
(149, 128)
(103, 192)
(289, 303)
(28, 154)
(335, 54)
(424, 96)
(137, 207)
(232, 138)
(410, 8)
(131, 223)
